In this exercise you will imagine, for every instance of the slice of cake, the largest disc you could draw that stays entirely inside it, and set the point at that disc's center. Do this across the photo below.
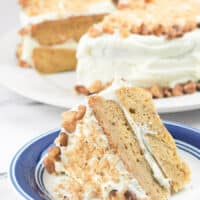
(52, 29)
(116, 147)
(154, 45)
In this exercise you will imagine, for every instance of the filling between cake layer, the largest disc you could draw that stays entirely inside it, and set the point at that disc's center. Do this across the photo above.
(100, 172)
(29, 44)
(140, 132)
(145, 60)
(97, 8)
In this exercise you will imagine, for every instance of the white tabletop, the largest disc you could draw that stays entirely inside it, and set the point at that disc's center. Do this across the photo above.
(22, 119)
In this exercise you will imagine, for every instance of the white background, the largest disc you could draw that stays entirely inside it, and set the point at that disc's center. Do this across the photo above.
(22, 119)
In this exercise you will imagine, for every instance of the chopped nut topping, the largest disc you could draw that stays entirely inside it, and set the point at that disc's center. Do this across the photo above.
(94, 31)
(130, 195)
(156, 91)
(49, 165)
(61, 7)
(198, 86)
(123, 6)
(112, 194)
(189, 88)
(108, 29)
(24, 64)
(167, 92)
(148, 19)
(80, 89)
(54, 153)
(69, 121)
(23, 3)
(177, 90)
(124, 32)
(69, 116)
(95, 87)
(115, 1)
(81, 112)
(91, 159)
(63, 139)
(23, 31)
(69, 126)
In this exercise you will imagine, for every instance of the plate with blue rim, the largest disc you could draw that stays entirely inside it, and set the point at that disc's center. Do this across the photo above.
(26, 169)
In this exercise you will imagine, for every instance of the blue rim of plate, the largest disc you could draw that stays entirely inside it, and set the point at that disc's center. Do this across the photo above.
(187, 139)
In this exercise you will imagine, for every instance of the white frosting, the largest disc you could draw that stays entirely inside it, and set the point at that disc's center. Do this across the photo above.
(143, 60)
(140, 132)
(126, 180)
(97, 8)
(29, 44)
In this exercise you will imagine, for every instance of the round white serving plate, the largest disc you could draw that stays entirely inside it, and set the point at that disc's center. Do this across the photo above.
(57, 89)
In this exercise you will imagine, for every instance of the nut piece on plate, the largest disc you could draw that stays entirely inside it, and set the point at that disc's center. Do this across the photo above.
(177, 90)
(49, 165)
(167, 92)
(156, 91)
(189, 87)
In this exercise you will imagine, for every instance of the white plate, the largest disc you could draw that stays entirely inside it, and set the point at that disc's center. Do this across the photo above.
(58, 89)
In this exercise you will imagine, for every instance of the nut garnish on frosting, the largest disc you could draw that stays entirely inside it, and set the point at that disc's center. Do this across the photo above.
(159, 17)
(35, 7)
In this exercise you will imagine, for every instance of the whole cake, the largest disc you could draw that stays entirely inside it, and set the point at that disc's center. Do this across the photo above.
(52, 28)
(115, 146)
(155, 45)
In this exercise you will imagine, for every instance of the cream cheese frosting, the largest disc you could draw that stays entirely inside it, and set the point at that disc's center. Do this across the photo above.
(100, 7)
(144, 60)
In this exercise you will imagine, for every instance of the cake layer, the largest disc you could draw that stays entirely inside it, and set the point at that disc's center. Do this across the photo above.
(50, 60)
(58, 31)
(47, 59)
(141, 109)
